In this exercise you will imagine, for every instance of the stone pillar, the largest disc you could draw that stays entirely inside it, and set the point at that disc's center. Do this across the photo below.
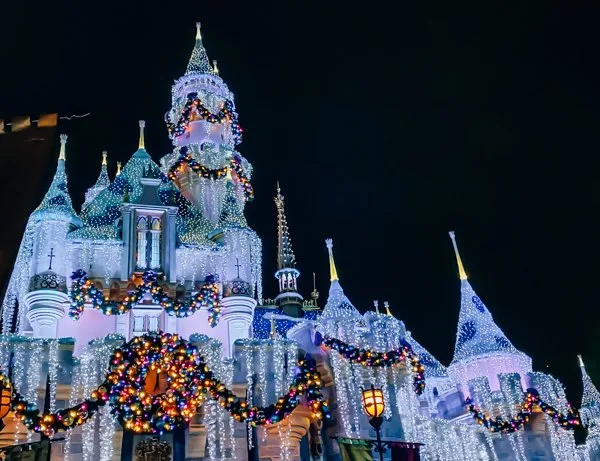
(237, 314)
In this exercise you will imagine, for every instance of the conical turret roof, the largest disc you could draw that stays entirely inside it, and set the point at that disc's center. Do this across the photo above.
(591, 396)
(57, 200)
(338, 305)
(102, 183)
(199, 62)
(231, 214)
(433, 367)
(477, 333)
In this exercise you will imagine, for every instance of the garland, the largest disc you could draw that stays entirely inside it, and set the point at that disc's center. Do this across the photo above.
(194, 105)
(188, 381)
(236, 165)
(532, 398)
(373, 359)
(83, 290)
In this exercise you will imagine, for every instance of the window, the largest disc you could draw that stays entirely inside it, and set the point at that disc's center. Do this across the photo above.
(152, 323)
(142, 230)
(149, 240)
(145, 323)
(138, 324)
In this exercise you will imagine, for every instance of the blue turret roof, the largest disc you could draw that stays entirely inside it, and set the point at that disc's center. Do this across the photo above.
(477, 332)
(433, 368)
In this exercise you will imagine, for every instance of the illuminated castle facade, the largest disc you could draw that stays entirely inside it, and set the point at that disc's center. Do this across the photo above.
(182, 220)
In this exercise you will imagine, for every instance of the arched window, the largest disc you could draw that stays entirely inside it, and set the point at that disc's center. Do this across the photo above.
(142, 243)
(155, 238)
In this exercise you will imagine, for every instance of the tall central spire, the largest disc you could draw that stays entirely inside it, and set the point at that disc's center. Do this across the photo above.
(199, 62)
(285, 253)
(288, 299)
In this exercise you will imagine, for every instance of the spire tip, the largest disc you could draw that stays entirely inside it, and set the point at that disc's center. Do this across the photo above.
(141, 144)
(104, 157)
(461, 270)
(332, 269)
(63, 150)
(580, 359)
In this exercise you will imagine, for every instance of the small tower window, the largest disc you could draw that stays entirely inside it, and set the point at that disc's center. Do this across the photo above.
(155, 238)
(142, 243)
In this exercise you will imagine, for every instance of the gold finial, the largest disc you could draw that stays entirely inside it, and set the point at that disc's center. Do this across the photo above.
(118, 168)
(461, 270)
(273, 329)
(104, 157)
(314, 294)
(141, 144)
(198, 34)
(387, 308)
(332, 269)
(63, 147)
(215, 68)
(580, 361)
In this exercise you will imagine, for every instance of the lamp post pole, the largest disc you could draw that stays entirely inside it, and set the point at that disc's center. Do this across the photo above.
(376, 423)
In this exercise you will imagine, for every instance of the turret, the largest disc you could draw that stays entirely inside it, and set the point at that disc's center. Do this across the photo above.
(102, 182)
(49, 265)
(590, 402)
(288, 299)
(482, 348)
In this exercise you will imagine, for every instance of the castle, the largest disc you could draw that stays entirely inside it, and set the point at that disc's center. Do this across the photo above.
(163, 252)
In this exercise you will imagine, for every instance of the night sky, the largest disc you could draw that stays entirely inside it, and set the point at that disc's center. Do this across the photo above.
(385, 129)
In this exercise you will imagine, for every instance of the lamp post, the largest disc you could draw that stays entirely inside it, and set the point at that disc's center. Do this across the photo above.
(374, 406)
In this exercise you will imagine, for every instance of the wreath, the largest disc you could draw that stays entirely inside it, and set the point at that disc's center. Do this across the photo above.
(194, 105)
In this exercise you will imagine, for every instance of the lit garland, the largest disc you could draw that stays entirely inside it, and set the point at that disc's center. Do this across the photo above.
(236, 165)
(189, 379)
(83, 291)
(532, 399)
(195, 108)
(370, 358)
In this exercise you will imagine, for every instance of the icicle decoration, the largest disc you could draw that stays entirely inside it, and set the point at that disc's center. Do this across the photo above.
(53, 348)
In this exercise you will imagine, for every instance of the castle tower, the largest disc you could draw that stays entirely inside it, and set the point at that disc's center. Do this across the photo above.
(481, 349)
(288, 299)
(204, 129)
(102, 183)
(590, 403)
(49, 259)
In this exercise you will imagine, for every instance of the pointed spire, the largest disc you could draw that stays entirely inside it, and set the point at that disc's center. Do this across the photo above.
(199, 62)
(461, 270)
(338, 305)
(332, 269)
(141, 144)
(215, 68)
(387, 308)
(118, 168)
(590, 396)
(102, 183)
(63, 147)
(57, 199)
(285, 253)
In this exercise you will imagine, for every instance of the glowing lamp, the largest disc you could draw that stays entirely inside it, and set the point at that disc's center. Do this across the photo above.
(373, 403)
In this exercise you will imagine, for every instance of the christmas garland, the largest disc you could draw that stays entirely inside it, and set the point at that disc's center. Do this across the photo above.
(193, 104)
(236, 165)
(188, 381)
(532, 398)
(83, 290)
(373, 359)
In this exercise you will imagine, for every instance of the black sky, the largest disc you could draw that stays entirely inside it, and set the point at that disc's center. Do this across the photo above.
(386, 128)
